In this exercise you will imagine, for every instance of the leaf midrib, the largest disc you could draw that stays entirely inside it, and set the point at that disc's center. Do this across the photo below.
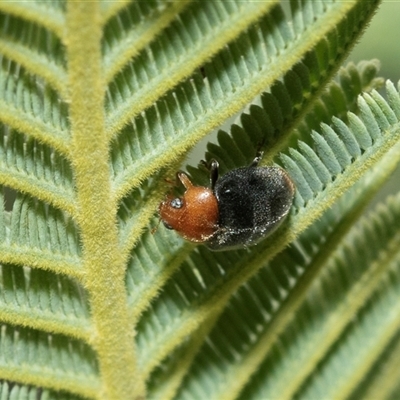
(104, 267)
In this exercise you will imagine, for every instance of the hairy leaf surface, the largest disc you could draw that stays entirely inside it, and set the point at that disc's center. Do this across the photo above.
(100, 102)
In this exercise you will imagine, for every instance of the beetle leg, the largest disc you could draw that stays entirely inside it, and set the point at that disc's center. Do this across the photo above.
(257, 158)
(213, 167)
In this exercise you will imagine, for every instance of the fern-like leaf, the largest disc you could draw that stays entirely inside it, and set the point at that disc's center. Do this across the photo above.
(99, 103)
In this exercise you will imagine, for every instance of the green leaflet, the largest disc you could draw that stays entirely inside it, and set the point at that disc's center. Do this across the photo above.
(41, 364)
(25, 163)
(273, 119)
(258, 330)
(203, 289)
(29, 104)
(199, 32)
(176, 119)
(368, 290)
(45, 301)
(16, 391)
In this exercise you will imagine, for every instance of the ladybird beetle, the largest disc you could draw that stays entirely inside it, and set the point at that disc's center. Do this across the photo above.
(241, 208)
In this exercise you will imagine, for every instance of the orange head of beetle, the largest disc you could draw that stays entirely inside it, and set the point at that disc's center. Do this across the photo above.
(195, 215)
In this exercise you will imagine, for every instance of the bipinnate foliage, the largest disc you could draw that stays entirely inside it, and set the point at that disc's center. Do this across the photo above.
(100, 102)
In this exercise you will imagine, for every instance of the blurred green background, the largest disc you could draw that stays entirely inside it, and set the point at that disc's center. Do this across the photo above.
(381, 40)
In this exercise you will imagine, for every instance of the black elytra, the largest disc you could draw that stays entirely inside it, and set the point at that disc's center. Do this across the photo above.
(239, 209)
(252, 202)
